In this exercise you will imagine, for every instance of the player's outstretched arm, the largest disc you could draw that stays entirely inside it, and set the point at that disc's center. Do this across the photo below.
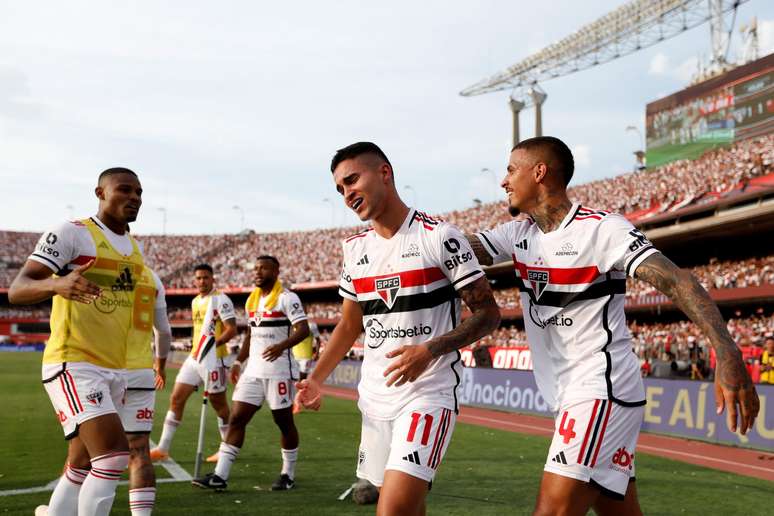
(35, 283)
(298, 332)
(733, 385)
(484, 258)
(343, 337)
(485, 319)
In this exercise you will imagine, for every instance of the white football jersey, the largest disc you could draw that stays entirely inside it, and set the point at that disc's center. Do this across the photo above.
(271, 327)
(407, 288)
(70, 245)
(572, 282)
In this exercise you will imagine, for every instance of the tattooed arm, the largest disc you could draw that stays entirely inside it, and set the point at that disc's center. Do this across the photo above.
(733, 384)
(414, 359)
(484, 258)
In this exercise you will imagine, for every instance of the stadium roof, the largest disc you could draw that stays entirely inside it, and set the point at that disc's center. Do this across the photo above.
(632, 27)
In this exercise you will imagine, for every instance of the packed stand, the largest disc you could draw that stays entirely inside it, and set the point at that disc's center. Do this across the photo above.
(312, 256)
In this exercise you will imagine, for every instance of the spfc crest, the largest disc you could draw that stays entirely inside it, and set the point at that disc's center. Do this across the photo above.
(388, 288)
(538, 279)
(95, 398)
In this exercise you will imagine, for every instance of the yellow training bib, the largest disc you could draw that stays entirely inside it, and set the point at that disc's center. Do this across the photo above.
(114, 329)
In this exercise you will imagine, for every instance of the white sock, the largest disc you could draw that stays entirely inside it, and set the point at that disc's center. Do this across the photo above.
(289, 458)
(223, 427)
(170, 425)
(99, 488)
(64, 499)
(228, 455)
(141, 501)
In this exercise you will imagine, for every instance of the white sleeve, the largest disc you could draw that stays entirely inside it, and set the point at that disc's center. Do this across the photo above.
(225, 308)
(346, 287)
(498, 241)
(456, 256)
(621, 246)
(161, 293)
(162, 331)
(57, 248)
(293, 308)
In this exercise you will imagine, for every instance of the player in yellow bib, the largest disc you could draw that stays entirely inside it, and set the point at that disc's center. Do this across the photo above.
(103, 305)
(213, 305)
(767, 361)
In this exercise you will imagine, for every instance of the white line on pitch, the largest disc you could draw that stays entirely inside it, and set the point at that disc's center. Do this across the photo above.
(172, 467)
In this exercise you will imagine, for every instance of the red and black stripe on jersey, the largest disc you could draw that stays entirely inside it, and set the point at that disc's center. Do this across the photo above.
(597, 288)
(582, 213)
(427, 221)
(359, 235)
(407, 302)
(269, 319)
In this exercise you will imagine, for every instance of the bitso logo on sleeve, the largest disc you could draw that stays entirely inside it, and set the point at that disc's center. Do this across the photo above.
(388, 288)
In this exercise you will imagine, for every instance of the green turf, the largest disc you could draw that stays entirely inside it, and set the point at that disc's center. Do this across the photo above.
(485, 472)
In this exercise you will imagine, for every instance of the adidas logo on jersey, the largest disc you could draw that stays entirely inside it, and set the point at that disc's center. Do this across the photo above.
(413, 457)
(103, 245)
(521, 245)
(560, 458)
(363, 260)
(124, 282)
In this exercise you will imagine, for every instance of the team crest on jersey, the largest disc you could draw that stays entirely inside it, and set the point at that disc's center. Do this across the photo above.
(388, 288)
(538, 279)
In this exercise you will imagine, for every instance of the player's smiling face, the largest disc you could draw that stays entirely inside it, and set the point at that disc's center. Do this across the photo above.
(203, 281)
(120, 197)
(519, 182)
(362, 182)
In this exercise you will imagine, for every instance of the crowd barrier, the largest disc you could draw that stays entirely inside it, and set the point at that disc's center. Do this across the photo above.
(674, 407)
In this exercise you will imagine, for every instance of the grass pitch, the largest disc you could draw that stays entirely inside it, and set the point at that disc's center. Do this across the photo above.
(485, 472)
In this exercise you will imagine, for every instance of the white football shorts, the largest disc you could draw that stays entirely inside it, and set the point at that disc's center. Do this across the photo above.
(413, 443)
(137, 411)
(80, 391)
(594, 441)
(194, 373)
(278, 393)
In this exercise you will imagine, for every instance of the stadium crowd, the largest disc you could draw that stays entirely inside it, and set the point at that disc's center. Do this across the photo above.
(316, 255)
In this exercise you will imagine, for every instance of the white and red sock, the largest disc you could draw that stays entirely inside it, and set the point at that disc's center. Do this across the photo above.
(99, 489)
(170, 426)
(64, 499)
(142, 500)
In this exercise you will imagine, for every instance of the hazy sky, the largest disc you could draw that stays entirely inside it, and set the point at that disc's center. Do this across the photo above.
(240, 103)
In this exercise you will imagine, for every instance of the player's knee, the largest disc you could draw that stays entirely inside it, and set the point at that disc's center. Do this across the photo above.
(550, 506)
(398, 505)
(111, 464)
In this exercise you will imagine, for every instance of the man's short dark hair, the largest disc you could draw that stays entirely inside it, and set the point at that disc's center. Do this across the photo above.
(114, 172)
(556, 148)
(204, 267)
(355, 150)
(269, 258)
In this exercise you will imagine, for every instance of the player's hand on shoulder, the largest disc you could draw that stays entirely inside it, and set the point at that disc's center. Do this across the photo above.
(272, 353)
(309, 394)
(76, 287)
(411, 362)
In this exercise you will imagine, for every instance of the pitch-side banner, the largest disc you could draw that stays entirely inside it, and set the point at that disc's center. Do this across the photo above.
(675, 407)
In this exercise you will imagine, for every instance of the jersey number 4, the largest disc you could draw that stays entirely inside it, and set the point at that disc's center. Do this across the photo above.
(415, 417)
(567, 431)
